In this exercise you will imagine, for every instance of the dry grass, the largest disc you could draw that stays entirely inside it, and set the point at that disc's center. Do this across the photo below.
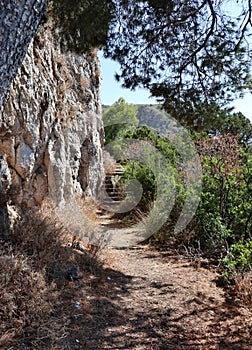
(37, 264)
(24, 297)
(243, 288)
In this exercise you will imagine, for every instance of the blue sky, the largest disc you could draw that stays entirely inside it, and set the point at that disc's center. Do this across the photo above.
(111, 90)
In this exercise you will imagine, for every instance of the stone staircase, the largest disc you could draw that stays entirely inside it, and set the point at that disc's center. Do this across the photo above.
(111, 184)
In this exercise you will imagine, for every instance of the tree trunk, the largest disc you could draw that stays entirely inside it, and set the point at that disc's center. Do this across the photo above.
(19, 20)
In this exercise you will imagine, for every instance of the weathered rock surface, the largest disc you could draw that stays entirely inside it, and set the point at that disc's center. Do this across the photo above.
(19, 20)
(51, 130)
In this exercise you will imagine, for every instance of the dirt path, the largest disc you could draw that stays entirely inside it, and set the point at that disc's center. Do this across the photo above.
(141, 299)
(147, 300)
(138, 299)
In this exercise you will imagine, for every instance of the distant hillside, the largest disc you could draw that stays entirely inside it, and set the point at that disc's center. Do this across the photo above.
(152, 116)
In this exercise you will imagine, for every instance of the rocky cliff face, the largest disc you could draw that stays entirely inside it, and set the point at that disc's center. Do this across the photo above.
(50, 126)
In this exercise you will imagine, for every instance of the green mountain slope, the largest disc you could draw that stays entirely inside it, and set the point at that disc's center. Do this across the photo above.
(151, 115)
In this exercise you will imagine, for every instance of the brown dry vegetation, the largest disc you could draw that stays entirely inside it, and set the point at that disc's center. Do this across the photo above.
(36, 265)
(56, 297)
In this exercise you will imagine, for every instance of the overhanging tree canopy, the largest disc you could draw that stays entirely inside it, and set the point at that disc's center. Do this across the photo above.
(185, 52)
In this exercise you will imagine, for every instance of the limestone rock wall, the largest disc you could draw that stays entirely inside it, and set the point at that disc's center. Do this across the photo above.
(51, 130)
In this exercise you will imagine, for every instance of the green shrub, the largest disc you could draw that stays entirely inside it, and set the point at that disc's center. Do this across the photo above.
(238, 260)
(212, 232)
(224, 213)
(134, 169)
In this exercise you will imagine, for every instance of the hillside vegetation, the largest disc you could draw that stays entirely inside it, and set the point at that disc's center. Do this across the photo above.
(148, 114)
(221, 227)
